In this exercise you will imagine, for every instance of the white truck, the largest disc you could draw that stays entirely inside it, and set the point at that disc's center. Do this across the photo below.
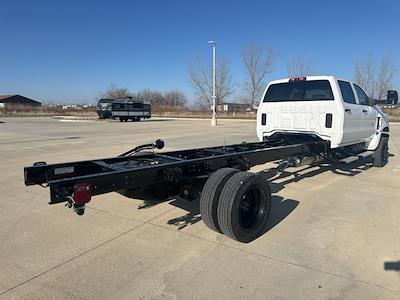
(300, 121)
(335, 110)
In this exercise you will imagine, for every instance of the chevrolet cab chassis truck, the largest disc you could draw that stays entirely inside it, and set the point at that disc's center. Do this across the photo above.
(301, 120)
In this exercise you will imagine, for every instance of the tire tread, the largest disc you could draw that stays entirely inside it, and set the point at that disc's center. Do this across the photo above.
(379, 161)
(211, 193)
(226, 204)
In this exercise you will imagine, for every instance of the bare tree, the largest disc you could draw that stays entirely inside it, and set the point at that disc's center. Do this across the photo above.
(201, 80)
(375, 83)
(258, 64)
(114, 91)
(299, 66)
(175, 98)
(365, 75)
(154, 97)
(171, 98)
(387, 72)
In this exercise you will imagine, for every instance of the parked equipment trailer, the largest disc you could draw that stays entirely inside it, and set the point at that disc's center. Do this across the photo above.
(130, 109)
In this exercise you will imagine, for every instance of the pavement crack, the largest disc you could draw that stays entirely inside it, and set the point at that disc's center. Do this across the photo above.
(86, 252)
(72, 258)
(280, 260)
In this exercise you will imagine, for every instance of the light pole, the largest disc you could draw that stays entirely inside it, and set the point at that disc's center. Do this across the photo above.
(214, 97)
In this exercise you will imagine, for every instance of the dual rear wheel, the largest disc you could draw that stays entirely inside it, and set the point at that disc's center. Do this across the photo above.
(236, 203)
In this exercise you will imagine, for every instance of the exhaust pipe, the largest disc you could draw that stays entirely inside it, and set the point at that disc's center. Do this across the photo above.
(292, 162)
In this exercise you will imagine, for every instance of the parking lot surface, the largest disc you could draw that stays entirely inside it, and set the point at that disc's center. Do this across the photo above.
(332, 232)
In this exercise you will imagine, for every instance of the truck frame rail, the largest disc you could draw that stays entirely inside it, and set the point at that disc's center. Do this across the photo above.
(138, 169)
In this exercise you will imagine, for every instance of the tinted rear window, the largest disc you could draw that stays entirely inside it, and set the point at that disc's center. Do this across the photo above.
(312, 90)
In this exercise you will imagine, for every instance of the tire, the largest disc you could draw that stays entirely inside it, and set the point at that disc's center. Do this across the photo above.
(210, 196)
(121, 120)
(244, 206)
(381, 155)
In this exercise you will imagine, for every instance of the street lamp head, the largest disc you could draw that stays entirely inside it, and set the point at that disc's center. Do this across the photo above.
(212, 42)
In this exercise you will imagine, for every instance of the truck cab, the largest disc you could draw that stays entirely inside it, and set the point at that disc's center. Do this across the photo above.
(332, 109)
(103, 108)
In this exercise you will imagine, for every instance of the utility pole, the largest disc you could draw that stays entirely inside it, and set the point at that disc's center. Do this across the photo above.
(214, 97)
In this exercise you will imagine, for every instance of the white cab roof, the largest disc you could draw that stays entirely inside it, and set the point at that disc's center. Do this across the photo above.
(307, 78)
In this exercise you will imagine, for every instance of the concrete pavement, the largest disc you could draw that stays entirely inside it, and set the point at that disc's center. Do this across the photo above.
(330, 233)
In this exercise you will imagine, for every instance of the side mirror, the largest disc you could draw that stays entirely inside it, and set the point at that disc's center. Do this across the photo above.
(371, 101)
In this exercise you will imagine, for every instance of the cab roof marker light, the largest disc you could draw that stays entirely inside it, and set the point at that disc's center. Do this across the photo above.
(294, 79)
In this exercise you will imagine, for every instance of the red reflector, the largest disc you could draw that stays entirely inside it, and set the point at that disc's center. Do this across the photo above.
(82, 193)
(297, 79)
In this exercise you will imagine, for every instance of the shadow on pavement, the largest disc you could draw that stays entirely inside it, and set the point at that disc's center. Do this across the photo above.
(312, 170)
(281, 208)
(147, 120)
(193, 216)
(392, 266)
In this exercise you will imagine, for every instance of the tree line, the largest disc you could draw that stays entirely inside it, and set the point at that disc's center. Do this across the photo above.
(174, 98)
(258, 64)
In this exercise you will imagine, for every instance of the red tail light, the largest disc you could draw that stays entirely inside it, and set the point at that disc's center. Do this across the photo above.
(82, 193)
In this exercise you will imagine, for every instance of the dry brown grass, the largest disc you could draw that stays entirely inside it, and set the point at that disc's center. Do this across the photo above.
(393, 113)
(27, 111)
(157, 111)
(182, 112)
(204, 114)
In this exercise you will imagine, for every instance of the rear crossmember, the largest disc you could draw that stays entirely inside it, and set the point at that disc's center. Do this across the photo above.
(161, 175)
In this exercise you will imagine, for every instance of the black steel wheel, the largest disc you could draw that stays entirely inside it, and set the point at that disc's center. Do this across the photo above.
(210, 196)
(244, 206)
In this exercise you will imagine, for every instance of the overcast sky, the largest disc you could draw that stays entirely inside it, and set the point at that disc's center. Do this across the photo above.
(70, 51)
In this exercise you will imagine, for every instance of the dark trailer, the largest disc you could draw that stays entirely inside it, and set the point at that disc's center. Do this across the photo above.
(232, 201)
(130, 109)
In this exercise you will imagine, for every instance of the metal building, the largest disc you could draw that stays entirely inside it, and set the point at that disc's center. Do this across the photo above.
(6, 100)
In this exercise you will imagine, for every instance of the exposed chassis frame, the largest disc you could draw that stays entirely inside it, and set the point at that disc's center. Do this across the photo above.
(137, 170)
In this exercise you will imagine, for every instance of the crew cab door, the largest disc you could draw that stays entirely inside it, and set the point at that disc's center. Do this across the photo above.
(367, 112)
(352, 121)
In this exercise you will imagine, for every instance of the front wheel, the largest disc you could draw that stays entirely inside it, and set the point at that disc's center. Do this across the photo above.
(381, 155)
(244, 206)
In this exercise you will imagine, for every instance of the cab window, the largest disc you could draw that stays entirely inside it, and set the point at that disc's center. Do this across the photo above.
(347, 92)
(310, 90)
(362, 96)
